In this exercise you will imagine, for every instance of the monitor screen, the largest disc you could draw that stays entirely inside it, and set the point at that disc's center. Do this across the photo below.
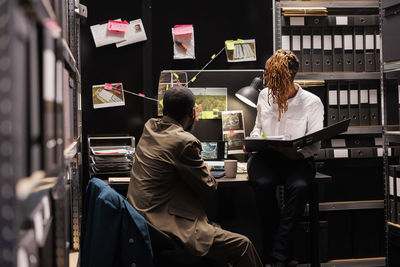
(208, 130)
(214, 150)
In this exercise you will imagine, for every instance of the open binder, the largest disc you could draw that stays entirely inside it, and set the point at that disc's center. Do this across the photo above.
(252, 144)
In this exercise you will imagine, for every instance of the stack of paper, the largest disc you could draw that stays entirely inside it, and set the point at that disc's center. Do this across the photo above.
(111, 159)
(304, 11)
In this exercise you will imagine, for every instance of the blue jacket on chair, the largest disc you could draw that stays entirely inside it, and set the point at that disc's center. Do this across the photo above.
(113, 233)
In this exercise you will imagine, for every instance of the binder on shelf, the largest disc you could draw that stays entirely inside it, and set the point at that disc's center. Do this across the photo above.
(343, 101)
(296, 44)
(391, 188)
(359, 64)
(327, 56)
(333, 111)
(317, 21)
(337, 49)
(369, 49)
(348, 57)
(364, 107)
(353, 20)
(377, 50)
(316, 50)
(362, 152)
(306, 51)
(285, 38)
(354, 107)
(373, 107)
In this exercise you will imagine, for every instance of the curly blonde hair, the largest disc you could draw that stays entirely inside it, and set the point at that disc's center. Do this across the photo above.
(280, 70)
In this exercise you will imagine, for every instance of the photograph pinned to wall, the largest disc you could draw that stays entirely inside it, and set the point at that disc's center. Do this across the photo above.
(183, 41)
(135, 33)
(240, 50)
(108, 95)
(213, 101)
(233, 130)
(167, 80)
(103, 36)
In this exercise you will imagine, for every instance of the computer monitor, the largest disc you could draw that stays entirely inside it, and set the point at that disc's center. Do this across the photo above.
(208, 130)
(214, 150)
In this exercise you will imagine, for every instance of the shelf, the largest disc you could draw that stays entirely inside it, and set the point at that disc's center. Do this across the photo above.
(397, 226)
(338, 75)
(69, 57)
(71, 151)
(370, 262)
(350, 205)
(331, 4)
(363, 130)
(391, 66)
(42, 8)
(392, 136)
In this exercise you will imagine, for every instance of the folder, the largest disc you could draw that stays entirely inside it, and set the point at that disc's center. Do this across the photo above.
(373, 107)
(285, 38)
(364, 106)
(306, 50)
(333, 111)
(337, 49)
(354, 112)
(343, 101)
(359, 49)
(365, 20)
(327, 56)
(296, 44)
(369, 49)
(377, 50)
(348, 56)
(316, 50)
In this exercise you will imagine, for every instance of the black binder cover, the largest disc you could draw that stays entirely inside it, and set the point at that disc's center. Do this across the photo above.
(348, 42)
(306, 50)
(333, 108)
(327, 56)
(317, 50)
(354, 108)
(369, 49)
(364, 106)
(325, 133)
(359, 63)
(338, 49)
(343, 101)
(296, 44)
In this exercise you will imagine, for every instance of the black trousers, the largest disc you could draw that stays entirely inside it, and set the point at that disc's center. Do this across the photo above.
(267, 170)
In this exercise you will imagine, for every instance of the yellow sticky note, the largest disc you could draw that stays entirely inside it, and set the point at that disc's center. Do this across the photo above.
(264, 136)
(176, 75)
(213, 56)
(229, 45)
(161, 103)
(207, 114)
(167, 87)
(240, 41)
(193, 79)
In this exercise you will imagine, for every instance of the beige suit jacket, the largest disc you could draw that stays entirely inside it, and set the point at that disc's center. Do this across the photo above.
(168, 179)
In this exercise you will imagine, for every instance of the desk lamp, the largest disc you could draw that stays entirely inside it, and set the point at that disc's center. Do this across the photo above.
(249, 94)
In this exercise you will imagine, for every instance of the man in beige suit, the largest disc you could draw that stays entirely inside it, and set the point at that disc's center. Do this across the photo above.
(169, 177)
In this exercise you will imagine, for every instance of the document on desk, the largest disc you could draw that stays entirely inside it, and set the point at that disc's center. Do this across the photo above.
(252, 144)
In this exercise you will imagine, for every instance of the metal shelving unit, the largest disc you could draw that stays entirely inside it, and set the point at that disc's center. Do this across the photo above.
(338, 7)
(35, 218)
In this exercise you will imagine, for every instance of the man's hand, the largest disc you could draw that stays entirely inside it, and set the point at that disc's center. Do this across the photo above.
(197, 111)
(289, 152)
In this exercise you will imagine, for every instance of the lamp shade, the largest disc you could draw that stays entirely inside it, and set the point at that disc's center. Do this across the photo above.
(249, 94)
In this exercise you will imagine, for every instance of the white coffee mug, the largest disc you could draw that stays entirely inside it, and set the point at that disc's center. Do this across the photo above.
(230, 166)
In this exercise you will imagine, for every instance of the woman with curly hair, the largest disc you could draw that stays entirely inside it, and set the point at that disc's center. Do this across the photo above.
(283, 109)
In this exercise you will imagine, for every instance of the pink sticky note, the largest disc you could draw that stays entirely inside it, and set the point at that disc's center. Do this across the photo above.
(141, 94)
(231, 132)
(108, 86)
(179, 84)
(183, 29)
(118, 92)
(117, 85)
(117, 26)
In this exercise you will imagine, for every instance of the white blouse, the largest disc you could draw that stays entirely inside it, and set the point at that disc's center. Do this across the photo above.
(305, 115)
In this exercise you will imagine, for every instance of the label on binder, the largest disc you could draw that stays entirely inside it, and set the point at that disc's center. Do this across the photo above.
(391, 186)
(341, 20)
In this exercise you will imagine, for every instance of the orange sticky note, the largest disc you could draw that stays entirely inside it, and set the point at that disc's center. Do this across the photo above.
(117, 26)
(183, 29)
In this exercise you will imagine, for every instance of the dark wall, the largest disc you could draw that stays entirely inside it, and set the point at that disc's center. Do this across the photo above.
(138, 65)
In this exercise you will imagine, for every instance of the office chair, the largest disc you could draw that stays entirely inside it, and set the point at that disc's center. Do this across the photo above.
(169, 251)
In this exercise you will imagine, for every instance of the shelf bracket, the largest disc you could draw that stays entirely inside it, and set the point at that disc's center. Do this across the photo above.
(80, 10)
